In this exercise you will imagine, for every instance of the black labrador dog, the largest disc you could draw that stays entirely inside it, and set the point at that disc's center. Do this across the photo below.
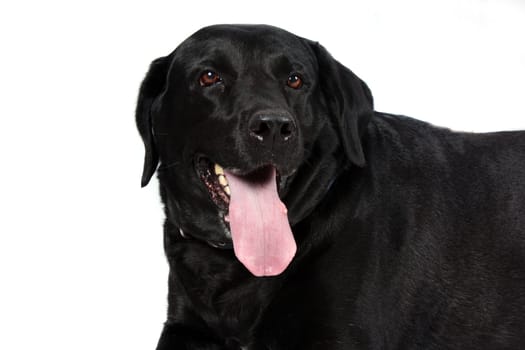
(297, 217)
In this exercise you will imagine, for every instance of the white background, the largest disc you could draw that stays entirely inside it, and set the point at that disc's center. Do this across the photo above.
(81, 259)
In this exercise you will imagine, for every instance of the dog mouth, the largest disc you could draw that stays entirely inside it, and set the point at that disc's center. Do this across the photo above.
(252, 210)
(214, 179)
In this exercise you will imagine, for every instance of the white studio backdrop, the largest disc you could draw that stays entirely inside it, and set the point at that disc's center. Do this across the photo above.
(81, 257)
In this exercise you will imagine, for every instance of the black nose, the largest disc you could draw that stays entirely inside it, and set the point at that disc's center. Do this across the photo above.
(269, 128)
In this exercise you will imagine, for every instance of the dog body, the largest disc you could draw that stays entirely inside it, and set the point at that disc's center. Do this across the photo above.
(403, 235)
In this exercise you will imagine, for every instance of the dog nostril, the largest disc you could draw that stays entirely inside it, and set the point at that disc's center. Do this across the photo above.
(286, 131)
(260, 130)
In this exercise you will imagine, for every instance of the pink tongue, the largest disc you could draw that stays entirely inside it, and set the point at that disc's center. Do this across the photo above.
(262, 237)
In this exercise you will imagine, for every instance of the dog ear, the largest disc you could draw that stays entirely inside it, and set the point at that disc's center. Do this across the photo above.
(349, 100)
(152, 86)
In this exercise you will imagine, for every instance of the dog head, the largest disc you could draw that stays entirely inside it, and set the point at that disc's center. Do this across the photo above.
(250, 125)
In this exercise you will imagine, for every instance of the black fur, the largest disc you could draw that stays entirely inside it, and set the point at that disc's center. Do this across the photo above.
(409, 236)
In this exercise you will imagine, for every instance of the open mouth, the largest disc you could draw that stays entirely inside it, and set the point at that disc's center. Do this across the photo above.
(254, 213)
(213, 177)
(215, 180)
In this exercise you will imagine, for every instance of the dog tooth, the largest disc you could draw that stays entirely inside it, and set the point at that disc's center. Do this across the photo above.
(222, 180)
(218, 169)
(227, 190)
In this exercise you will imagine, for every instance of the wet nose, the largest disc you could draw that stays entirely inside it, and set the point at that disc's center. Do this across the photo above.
(272, 128)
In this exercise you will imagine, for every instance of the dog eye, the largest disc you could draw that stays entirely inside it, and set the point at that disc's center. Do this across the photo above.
(294, 81)
(209, 78)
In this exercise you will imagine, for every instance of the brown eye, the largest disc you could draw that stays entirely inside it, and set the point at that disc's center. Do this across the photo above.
(209, 78)
(294, 81)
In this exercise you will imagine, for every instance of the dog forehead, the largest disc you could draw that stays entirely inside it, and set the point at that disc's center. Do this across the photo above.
(243, 40)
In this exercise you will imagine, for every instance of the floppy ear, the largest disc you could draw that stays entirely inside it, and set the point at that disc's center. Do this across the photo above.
(349, 100)
(151, 87)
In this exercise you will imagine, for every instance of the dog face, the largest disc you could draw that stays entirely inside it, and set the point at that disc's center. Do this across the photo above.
(249, 125)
